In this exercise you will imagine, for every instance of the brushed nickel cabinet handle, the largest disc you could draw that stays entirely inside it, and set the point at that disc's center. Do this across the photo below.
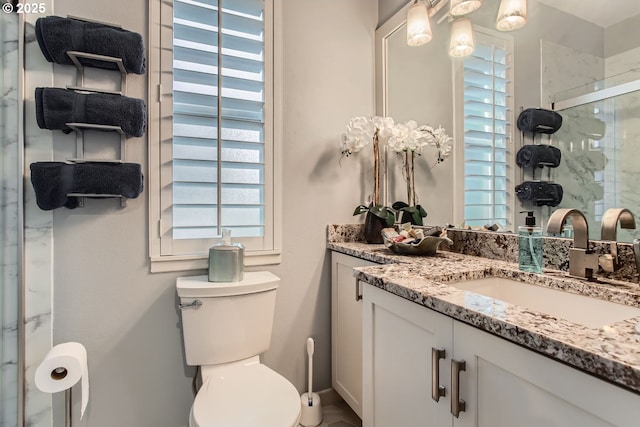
(437, 390)
(358, 293)
(457, 404)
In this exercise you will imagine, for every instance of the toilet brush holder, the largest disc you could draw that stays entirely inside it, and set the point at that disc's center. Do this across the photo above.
(311, 414)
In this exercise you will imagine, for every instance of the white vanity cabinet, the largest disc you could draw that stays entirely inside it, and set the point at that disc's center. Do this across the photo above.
(346, 329)
(502, 384)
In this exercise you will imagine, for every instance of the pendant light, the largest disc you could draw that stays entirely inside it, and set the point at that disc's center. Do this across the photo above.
(511, 15)
(463, 7)
(418, 25)
(462, 39)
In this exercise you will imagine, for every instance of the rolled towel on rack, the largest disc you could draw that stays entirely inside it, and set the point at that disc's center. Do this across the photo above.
(537, 156)
(539, 120)
(53, 181)
(56, 36)
(540, 193)
(56, 107)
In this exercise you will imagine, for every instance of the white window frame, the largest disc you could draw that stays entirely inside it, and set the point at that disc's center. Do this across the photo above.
(159, 146)
(459, 133)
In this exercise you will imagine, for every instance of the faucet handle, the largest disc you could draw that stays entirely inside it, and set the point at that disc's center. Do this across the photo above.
(608, 262)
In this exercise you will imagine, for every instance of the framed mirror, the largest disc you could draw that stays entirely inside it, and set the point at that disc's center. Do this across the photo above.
(580, 57)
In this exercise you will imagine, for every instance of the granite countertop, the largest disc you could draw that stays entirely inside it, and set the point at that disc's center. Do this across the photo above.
(610, 352)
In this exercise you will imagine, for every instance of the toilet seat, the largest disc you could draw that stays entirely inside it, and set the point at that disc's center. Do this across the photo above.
(246, 396)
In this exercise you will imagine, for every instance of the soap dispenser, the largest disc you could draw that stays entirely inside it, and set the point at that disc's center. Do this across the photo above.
(226, 260)
(530, 245)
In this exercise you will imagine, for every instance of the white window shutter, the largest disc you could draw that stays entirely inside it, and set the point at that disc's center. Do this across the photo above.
(219, 130)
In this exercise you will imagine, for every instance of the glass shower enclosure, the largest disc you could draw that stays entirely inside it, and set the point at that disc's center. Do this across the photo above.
(598, 140)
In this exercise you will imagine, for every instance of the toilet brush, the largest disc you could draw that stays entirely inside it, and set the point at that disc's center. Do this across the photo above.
(311, 408)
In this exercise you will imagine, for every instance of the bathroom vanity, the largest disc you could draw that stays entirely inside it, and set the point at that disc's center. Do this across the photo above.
(435, 353)
(346, 329)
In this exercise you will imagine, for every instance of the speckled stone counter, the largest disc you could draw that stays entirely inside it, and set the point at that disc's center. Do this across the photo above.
(611, 352)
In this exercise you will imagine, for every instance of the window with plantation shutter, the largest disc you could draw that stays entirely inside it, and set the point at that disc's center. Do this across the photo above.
(485, 103)
(216, 148)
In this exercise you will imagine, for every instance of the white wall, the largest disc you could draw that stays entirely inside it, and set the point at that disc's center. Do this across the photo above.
(105, 296)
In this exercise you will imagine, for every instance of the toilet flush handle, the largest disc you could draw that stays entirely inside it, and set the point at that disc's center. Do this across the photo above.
(196, 304)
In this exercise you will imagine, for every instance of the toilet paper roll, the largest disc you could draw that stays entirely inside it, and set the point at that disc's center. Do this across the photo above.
(62, 368)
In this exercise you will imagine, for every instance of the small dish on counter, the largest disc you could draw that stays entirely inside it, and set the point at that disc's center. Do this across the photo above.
(415, 241)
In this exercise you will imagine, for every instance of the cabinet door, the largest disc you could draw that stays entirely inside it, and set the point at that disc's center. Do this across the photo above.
(505, 385)
(346, 329)
(398, 338)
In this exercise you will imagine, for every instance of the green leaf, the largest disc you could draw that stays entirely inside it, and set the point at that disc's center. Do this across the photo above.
(381, 211)
(399, 205)
(360, 210)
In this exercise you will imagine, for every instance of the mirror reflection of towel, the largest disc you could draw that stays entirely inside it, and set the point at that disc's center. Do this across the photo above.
(539, 120)
(52, 181)
(540, 193)
(538, 156)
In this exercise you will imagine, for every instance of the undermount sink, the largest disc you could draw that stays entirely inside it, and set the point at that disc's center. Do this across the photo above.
(587, 311)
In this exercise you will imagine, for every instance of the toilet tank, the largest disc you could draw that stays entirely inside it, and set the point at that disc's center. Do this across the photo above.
(234, 321)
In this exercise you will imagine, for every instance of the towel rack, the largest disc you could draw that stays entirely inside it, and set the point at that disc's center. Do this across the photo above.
(109, 24)
(74, 55)
(79, 128)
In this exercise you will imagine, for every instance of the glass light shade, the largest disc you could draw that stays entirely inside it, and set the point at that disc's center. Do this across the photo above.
(462, 39)
(463, 7)
(511, 15)
(418, 25)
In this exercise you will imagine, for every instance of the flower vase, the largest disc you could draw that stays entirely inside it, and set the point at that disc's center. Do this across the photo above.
(373, 226)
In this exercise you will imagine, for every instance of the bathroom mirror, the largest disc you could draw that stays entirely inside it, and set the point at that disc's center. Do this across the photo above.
(582, 57)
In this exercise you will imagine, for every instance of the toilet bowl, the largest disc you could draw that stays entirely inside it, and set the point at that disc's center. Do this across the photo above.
(247, 394)
(226, 326)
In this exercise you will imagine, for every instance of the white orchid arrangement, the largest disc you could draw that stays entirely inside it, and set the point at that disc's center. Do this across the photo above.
(362, 131)
(403, 138)
(409, 137)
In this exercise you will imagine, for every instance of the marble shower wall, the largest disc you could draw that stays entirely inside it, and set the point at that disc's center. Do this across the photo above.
(37, 232)
(566, 73)
(9, 214)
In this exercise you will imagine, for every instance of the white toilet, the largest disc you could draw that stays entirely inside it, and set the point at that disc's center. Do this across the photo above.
(226, 327)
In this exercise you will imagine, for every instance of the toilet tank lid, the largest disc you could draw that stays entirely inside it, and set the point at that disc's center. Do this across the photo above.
(252, 282)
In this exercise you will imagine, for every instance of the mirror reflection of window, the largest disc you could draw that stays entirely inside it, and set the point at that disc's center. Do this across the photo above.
(483, 84)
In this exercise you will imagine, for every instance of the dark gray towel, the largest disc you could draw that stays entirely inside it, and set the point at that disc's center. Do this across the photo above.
(52, 181)
(55, 107)
(56, 36)
(539, 120)
(540, 193)
(537, 156)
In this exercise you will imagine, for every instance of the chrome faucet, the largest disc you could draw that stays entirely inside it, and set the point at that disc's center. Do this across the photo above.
(582, 261)
(610, 219)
